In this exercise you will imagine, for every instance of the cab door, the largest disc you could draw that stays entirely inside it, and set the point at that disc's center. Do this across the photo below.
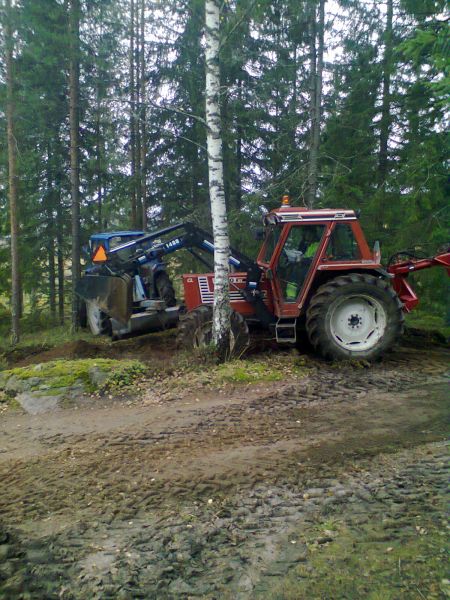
(292, 264)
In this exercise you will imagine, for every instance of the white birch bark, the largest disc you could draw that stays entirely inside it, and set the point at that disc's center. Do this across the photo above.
(221, 318)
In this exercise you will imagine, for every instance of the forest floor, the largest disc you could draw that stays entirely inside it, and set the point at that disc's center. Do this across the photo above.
(283, 477)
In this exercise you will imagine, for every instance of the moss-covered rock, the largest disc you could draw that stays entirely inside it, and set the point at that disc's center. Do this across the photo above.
(48, 383)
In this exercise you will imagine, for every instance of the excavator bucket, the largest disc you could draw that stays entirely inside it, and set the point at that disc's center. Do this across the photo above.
(113, 295)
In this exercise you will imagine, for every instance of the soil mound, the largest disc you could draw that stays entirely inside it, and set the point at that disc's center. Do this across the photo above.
(70, 350)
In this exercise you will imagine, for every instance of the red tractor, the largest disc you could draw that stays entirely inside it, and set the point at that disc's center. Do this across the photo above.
(315, 272)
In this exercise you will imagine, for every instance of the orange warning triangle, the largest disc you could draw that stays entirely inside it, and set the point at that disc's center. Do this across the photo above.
(100, 255)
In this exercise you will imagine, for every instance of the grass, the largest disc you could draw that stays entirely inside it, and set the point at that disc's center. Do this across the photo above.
(46, 338)
(273, 367)
(428, 322)
(265, 368)
(355, 566)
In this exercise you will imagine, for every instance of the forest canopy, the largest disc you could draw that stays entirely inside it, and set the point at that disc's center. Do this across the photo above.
(338, 103)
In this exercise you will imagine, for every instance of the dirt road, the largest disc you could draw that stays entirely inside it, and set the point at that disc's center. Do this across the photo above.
(239, 494)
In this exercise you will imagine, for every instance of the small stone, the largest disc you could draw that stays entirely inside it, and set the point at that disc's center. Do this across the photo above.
(325, 539)
(5, 551)
(313, 493)
(178, 586)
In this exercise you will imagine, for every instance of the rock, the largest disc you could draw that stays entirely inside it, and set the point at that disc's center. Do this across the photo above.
(38, 555)
(35, 404)
(5, 551)
(341, 493)
(279, 569)
(178, 586)
(6, 570)
(325, 539)
(313, 493)
(296, 553)
(15, 384)
(4, 536)
(97, 376)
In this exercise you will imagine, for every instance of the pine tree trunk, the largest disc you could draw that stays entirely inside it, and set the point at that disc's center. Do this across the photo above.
(143, 117)
(60, 258)
(316, 76)
(51, 276)
(50, 236)
(98, 161)
(221, 319)
(74, 69)
(385, 122)
(137, 74)
(132, 119)
(12, 180)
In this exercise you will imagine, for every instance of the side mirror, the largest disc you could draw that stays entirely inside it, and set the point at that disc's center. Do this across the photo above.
(258, 234)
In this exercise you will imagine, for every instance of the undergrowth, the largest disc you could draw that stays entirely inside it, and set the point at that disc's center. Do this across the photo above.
(201, 369)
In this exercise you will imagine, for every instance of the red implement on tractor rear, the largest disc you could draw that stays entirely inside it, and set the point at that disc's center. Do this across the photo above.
(400, 269)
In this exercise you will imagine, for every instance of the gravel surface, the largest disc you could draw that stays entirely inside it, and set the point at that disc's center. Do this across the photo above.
(242, 494)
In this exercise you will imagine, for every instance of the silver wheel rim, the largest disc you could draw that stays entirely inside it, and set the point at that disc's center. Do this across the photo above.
(357, 323)
(94, 317)
(203, 336)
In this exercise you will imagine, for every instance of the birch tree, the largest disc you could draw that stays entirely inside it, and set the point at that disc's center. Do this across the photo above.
(221, 315)
(12, 178)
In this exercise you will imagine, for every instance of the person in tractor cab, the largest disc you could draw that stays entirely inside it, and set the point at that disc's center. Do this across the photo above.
(300, 250)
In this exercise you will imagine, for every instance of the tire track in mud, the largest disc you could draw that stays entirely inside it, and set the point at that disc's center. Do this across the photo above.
(233, 546)
(129, 511)
(222, 446)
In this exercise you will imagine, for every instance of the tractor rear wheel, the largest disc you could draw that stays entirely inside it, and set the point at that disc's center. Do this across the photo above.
(354, 316)
(195, 330)
(165, 289)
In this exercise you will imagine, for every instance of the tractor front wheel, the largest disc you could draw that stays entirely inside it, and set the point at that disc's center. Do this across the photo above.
(195, 330)
(355, 316)
(165, 290)
(97, 320)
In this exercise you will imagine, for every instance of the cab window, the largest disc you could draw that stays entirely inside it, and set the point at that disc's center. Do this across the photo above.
(272, 237)
(342, 244)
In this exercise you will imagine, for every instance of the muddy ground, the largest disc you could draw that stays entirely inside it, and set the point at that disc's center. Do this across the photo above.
(328, 485)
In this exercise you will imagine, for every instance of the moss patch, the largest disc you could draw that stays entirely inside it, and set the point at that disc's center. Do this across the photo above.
(364, 563)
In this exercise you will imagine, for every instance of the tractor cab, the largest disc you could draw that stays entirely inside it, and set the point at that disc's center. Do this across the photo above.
(302, 245)
(110, 240)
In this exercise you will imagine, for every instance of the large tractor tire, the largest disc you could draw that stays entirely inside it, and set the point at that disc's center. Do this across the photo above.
(354, 316)
(165, 289)
(97, 321)
(195, 330)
